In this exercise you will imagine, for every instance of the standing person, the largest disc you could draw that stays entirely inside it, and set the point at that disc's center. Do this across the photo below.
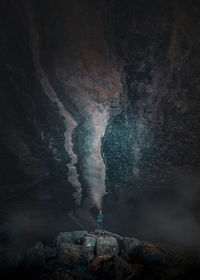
(99, 220)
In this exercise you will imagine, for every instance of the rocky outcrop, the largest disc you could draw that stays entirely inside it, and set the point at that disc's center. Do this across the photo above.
(130, 245)
(69, 237)
(107, 245)
(100, 257)
(71, 253)
(89, 246)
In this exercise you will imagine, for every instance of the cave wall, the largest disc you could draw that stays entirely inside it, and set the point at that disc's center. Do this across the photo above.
(98, 98)
(160, 56)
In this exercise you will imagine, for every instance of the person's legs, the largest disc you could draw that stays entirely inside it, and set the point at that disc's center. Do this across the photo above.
(98, 225)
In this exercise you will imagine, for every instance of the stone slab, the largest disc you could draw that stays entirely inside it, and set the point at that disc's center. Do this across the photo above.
(107, 245)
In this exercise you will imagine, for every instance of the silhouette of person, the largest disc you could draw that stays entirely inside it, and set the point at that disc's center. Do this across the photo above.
(99, 220)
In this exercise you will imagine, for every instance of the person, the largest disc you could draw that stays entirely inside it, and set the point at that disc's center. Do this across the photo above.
(99, 220)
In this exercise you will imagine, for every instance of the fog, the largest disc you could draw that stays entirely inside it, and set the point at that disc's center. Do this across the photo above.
(172, 217)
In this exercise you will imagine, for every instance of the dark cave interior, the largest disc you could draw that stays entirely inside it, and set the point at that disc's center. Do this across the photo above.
(99, 109)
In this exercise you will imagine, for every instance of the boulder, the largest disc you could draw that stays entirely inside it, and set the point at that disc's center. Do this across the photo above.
(108, 233)
(129, 244)
(107, 245)
(89, 246)
(79, 234)
(152, 254)
(71, 253)
(97, 262)
(131, 249)
(69, 237)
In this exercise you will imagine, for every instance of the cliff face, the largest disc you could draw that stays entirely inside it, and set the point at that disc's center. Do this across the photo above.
(99, 97)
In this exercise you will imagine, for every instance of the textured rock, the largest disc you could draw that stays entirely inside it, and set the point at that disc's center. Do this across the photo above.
(97, 262)
(119, 237)
(89, 246)
(107, 245)
(152, 253)
(71, 253)
(143, 260)
(129, 244)
(69, 237)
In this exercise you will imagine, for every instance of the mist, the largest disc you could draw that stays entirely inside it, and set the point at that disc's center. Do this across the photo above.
(171, 217)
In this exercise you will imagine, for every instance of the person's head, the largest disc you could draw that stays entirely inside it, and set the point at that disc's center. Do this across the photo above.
(100, 211)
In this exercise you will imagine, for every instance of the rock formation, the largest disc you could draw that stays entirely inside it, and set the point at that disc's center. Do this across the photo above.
(103, 255)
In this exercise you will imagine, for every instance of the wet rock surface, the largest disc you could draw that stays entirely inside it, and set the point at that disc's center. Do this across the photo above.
(100, 257)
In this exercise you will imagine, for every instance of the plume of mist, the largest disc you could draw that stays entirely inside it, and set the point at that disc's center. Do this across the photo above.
(94, 168)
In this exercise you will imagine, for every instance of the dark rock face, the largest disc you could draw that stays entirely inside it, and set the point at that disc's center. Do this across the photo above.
(89, 246)
(69, 237)
(129, 245)
(107, 246)
(70, 253)
(99, 97)
(143, 260)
